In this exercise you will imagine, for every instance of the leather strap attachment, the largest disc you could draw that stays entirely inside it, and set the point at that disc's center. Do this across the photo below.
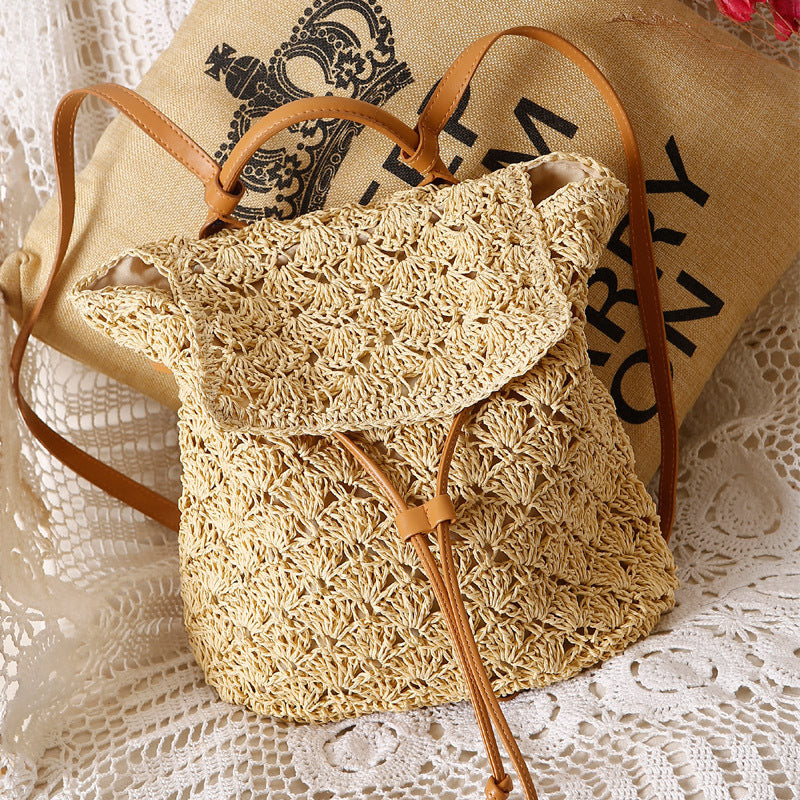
(221, 202)
(425, 518)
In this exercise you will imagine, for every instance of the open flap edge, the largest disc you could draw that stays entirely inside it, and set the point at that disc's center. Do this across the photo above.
(266, 359)
(546, 178)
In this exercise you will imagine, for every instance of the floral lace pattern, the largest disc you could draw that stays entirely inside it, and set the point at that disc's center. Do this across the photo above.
(99, 692)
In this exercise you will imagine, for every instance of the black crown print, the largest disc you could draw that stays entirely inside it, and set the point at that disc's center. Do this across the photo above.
(344, 54)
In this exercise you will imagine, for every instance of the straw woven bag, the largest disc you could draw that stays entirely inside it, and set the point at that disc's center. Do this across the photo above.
(414, 366)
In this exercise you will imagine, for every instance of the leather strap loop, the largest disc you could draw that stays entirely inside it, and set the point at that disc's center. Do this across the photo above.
(424, 158)
(221, 202)
(412, 521)
(425, 518)
(440, 509)
(310, 108)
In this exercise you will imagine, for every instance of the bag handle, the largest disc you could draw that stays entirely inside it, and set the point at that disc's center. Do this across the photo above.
(307, 108)
(434, 117)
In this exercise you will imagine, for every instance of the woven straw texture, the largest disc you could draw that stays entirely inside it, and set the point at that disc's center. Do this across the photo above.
(299, 599)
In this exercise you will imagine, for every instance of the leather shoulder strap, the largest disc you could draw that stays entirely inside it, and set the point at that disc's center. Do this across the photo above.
(185, 150)
(438, 110)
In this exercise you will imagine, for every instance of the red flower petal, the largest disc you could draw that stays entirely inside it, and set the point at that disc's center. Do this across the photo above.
(740, 10)
(786, 15)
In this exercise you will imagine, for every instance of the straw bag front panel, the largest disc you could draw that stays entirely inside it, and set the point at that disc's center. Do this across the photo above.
(300, 599)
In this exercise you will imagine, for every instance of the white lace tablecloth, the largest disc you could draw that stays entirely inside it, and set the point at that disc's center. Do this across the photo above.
(100, 696)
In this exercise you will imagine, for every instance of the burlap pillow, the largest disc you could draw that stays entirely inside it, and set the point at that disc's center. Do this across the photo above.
(716, 123)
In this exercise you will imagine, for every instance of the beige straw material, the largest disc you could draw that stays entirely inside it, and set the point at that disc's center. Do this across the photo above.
(300, 599)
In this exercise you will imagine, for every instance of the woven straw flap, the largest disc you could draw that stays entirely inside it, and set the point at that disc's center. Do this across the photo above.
(368, 316)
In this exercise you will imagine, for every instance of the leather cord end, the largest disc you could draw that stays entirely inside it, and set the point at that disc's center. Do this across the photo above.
(498, 791)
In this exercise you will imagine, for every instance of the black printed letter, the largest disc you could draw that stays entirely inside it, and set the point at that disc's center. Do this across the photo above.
(683, 184)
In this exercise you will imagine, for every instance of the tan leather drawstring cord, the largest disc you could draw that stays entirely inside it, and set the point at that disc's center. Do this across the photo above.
(414, 525)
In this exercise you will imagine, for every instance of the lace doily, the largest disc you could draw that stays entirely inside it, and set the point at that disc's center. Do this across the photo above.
(100, 695)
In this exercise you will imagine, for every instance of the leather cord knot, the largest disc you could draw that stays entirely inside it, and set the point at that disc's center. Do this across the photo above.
(220, 202)
(498, 791)
(425, 518)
